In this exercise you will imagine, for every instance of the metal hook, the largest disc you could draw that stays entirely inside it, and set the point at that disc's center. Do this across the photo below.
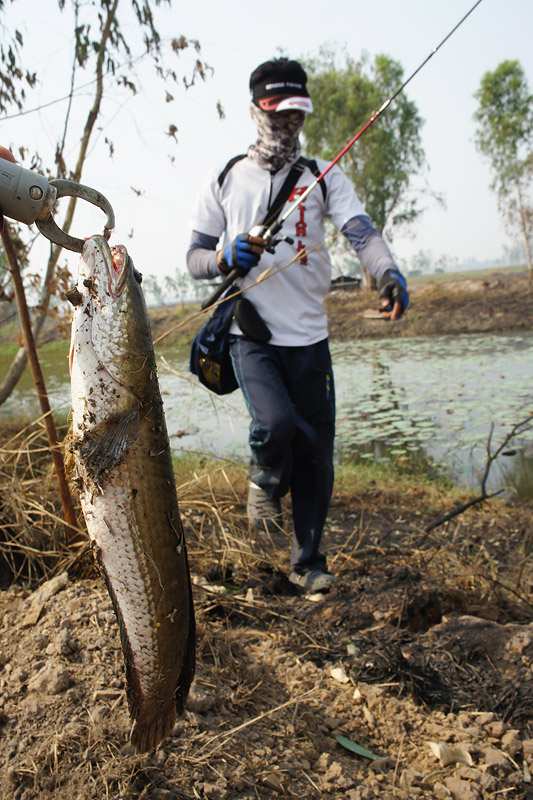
(67, 188)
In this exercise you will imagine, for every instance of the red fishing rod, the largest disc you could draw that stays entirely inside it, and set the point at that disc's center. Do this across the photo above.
(269, 233)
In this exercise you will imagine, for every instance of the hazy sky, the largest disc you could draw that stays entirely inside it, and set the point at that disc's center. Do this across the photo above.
(235, 36)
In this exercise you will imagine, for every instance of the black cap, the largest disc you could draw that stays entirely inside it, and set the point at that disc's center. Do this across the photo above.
(280, 85)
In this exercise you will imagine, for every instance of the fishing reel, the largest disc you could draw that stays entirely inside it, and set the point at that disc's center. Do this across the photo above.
(268, 234)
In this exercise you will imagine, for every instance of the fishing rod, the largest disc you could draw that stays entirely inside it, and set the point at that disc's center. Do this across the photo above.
(269, 233)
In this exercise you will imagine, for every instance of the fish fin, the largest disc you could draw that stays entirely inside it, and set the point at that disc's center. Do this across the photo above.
(133, 689)
(189, 660)
(148, 729)
(104, 447)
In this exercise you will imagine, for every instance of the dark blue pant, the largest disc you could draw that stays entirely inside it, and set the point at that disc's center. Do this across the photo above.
(290, 395)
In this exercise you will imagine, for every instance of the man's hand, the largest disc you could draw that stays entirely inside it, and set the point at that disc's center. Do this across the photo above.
(242, 254)
(7, 155)
(393, 294)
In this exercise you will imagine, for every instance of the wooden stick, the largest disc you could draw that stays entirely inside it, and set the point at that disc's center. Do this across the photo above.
(72, 532)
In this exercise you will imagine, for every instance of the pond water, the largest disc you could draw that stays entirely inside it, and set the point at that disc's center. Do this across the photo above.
(436, 396)
(441, 396)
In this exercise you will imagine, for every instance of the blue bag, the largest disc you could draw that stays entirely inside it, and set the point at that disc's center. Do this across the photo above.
(210, 354)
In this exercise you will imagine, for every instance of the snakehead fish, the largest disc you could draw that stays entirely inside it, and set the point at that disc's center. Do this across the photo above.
(128, 495)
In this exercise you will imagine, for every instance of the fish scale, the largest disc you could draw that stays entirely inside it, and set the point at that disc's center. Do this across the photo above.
(127, 489)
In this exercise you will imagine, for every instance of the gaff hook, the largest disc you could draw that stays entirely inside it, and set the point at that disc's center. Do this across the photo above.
(67, 188)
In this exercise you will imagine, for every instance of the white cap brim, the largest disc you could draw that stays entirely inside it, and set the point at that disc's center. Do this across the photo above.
(295, 103)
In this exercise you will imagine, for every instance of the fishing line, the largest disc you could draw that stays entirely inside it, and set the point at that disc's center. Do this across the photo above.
(269, 233)
(278, 224)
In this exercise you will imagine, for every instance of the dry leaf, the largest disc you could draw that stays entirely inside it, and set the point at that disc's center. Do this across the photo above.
(339, 674)
(370, 718)
(451, 755)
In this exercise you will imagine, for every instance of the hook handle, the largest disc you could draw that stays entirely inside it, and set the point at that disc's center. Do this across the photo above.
(67, 188)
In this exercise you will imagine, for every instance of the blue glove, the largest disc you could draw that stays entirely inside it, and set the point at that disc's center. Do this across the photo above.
(393, 287)
(238, 254)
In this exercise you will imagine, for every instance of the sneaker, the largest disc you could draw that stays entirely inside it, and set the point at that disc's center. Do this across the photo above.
(263, 510)
(313, 581)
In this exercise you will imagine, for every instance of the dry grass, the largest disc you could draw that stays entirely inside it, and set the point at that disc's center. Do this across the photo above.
(32, 531)
(216, 526)
(363, 523)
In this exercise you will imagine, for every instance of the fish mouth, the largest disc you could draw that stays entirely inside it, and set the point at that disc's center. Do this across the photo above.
(104, 269)
(118, 267)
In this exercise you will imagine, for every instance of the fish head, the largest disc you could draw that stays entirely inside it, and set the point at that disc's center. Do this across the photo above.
(112, 312)
(103, 274)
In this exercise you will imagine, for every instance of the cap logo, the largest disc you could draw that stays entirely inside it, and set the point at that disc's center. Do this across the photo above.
(281, 103)
(282, 84)
(269, 103)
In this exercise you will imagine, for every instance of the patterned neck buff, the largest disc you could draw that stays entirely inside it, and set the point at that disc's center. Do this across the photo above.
(277, 143)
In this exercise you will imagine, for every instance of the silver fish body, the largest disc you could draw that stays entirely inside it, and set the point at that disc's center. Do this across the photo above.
(127, 489)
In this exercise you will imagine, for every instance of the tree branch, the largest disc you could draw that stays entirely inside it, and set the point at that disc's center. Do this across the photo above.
(520, 427)
(19, 362)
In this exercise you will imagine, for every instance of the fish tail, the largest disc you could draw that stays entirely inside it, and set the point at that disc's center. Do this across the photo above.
(149, 729)
(147, 732)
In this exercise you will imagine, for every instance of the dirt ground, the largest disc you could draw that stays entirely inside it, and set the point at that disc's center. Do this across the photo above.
(422, 653)
(500, 301)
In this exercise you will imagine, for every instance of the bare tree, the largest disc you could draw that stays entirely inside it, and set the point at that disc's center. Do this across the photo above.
(103, 53)
(505, 137)
(519, 428)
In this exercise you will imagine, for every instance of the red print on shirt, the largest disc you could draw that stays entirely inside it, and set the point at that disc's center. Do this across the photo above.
(301, 225)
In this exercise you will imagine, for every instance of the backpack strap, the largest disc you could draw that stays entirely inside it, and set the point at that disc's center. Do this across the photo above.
(311, 164)
(231, 163)
(284, 193)
(290, 182)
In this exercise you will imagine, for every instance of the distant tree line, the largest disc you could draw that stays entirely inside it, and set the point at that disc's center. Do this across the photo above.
(424, 262)
(170, 290)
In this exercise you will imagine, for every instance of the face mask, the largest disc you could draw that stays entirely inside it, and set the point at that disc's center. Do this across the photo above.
(277, 143)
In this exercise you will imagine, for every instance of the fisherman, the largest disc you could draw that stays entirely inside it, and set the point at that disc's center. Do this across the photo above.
(287, 381)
